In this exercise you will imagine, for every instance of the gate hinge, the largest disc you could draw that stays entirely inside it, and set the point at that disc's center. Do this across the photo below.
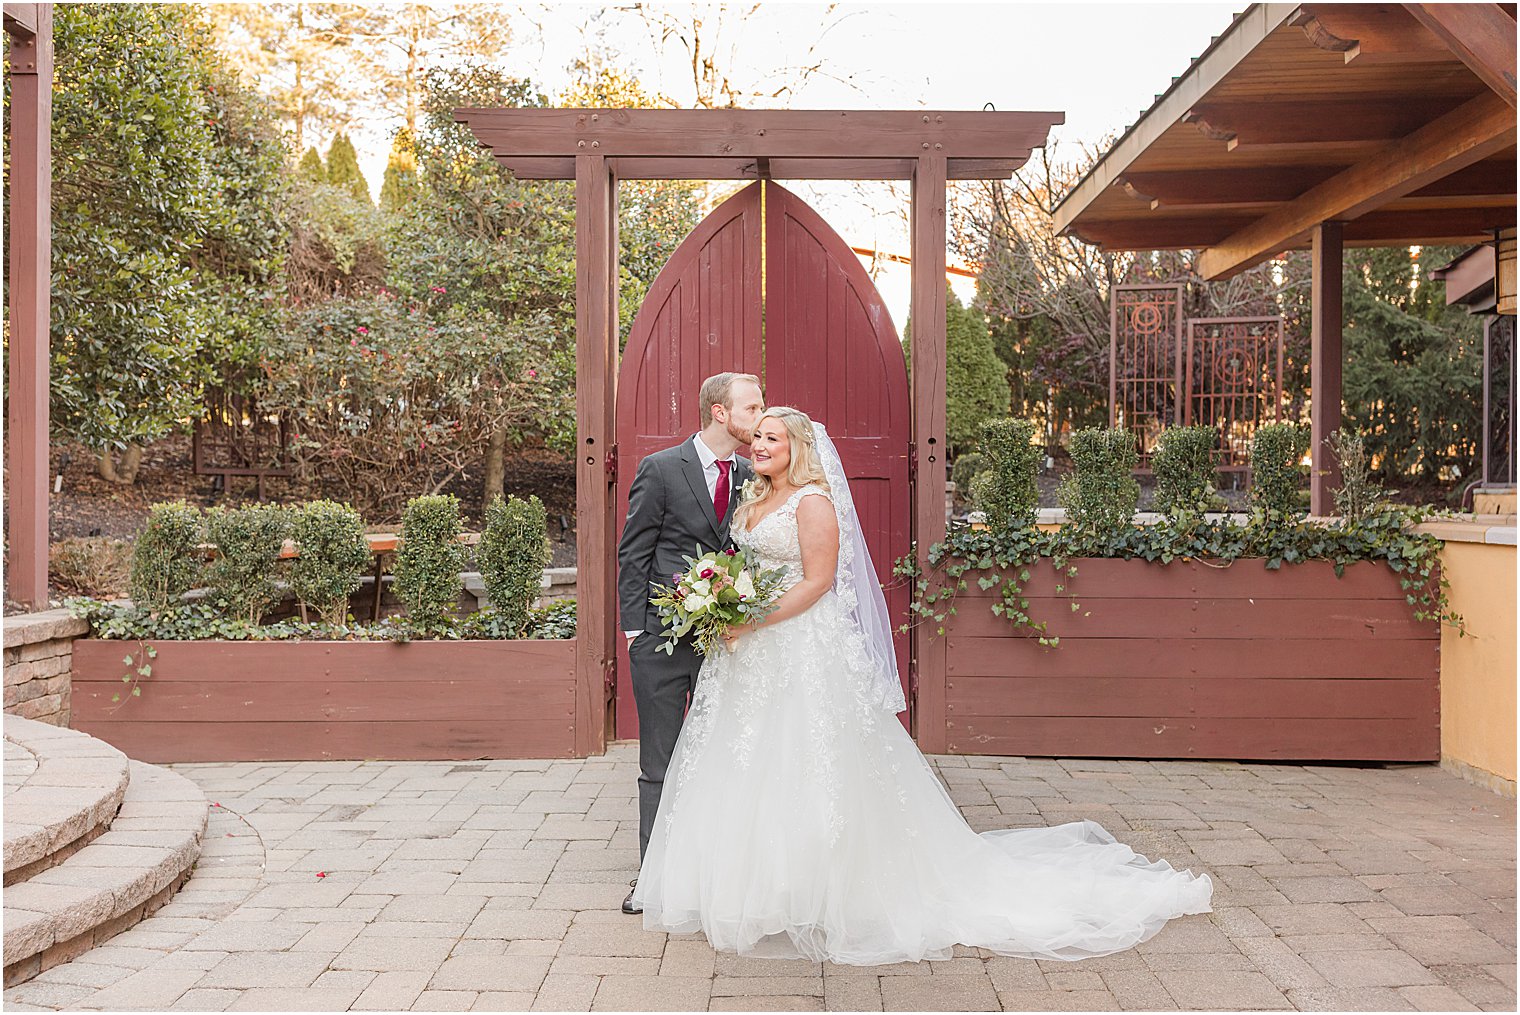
(609, 675)
(610, 463)
(912, 462)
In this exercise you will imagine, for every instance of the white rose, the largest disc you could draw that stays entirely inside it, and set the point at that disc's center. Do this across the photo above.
(696, 603)
(745, 585)
(701, 586)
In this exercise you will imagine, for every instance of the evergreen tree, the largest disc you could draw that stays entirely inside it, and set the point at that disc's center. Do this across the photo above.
(976, 383)
(399, 188)
(343, 168)
(1413, 375)
(311, 168)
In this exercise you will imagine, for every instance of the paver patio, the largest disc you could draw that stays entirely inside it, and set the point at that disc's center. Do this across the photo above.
(495, 885)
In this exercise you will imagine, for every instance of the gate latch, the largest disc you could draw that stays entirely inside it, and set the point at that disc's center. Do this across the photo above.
(610, 463)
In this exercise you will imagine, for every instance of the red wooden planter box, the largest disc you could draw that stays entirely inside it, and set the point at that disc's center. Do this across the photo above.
(1189, 660)
(330, 700)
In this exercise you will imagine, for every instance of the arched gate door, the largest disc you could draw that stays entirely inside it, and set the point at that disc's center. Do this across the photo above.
(764, 286)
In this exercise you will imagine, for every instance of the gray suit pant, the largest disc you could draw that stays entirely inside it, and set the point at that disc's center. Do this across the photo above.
(662, 686)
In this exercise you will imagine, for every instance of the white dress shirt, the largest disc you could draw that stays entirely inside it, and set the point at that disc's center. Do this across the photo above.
(709, 462)
(710, 467)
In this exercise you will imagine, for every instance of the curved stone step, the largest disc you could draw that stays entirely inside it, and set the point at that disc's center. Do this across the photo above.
(112, 883)
(70, 795)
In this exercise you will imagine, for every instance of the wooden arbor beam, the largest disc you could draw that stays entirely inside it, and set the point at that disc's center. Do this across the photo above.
(21, 21)
(692, 167)
(749, 133)
(1468, 134)
(1480, 35)
(596, 353)
(30, 254)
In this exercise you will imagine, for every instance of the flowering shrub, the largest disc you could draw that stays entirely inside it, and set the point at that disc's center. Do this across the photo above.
(388, 395)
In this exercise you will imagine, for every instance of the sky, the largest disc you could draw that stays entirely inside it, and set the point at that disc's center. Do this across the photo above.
(1102, 64)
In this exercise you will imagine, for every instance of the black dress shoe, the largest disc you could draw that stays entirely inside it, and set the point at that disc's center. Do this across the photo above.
(629, 906)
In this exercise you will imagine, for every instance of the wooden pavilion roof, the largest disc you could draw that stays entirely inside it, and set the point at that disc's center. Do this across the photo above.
(1396, 119)
(737, 144)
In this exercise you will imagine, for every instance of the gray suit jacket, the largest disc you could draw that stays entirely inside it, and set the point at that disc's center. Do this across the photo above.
(669, 514)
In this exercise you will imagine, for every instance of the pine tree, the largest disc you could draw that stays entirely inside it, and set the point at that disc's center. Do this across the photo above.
(311, 168)
(399, 188)
(343, 168)
(1413, 367)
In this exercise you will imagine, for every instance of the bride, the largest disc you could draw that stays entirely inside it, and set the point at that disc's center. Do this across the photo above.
(799, 819)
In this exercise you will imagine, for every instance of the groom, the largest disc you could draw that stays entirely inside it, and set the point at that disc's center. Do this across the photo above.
(681, 499)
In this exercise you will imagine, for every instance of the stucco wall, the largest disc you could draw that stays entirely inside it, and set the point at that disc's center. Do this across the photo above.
(1478, 671)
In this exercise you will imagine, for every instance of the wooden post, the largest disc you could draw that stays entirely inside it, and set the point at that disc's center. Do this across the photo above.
(30, 254)
(928, 380)
(596, 349)
(1325, 361)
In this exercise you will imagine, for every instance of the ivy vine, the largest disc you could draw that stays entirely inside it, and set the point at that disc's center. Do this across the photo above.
(1003, 560)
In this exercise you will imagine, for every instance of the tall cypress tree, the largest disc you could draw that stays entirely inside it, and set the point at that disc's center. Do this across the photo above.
(1413, 374)
(976, 382)
(311, 168)
(399, 187)
(343, 168)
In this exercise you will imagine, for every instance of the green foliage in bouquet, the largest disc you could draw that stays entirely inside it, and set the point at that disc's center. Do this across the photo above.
(719, 590)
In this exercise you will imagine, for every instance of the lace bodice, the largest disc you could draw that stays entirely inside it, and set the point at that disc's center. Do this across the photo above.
(774, 540)
(815, 661)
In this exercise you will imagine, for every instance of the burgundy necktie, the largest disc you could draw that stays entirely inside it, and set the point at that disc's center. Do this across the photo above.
(720, 493)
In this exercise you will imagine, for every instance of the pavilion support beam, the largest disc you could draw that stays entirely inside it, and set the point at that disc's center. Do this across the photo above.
(30, 254)
(596, 351)
(1480, 35)
(927, 222)
(1468, 134)
(1325, 363)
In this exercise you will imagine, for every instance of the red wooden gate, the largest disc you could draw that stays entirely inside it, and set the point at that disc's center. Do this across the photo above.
(828, 348)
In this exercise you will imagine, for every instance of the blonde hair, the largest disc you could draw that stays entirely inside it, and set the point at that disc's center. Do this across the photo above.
(805, 467)
(719, 390)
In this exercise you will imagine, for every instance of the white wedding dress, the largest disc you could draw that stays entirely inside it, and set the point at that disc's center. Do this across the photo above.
(799, 819)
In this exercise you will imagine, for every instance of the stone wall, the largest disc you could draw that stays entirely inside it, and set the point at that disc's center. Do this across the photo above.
(38, 659)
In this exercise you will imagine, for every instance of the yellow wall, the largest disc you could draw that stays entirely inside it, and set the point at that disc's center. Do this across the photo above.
(1478, 671)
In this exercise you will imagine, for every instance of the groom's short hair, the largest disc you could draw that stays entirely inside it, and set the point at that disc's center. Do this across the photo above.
(718, 390)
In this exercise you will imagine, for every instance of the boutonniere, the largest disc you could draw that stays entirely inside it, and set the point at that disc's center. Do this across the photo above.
(746, 489)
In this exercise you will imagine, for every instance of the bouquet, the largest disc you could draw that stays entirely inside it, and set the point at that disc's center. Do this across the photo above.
(718, 590)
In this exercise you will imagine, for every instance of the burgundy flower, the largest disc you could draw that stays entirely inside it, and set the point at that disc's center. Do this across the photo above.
(707, 572)
(730, 551)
